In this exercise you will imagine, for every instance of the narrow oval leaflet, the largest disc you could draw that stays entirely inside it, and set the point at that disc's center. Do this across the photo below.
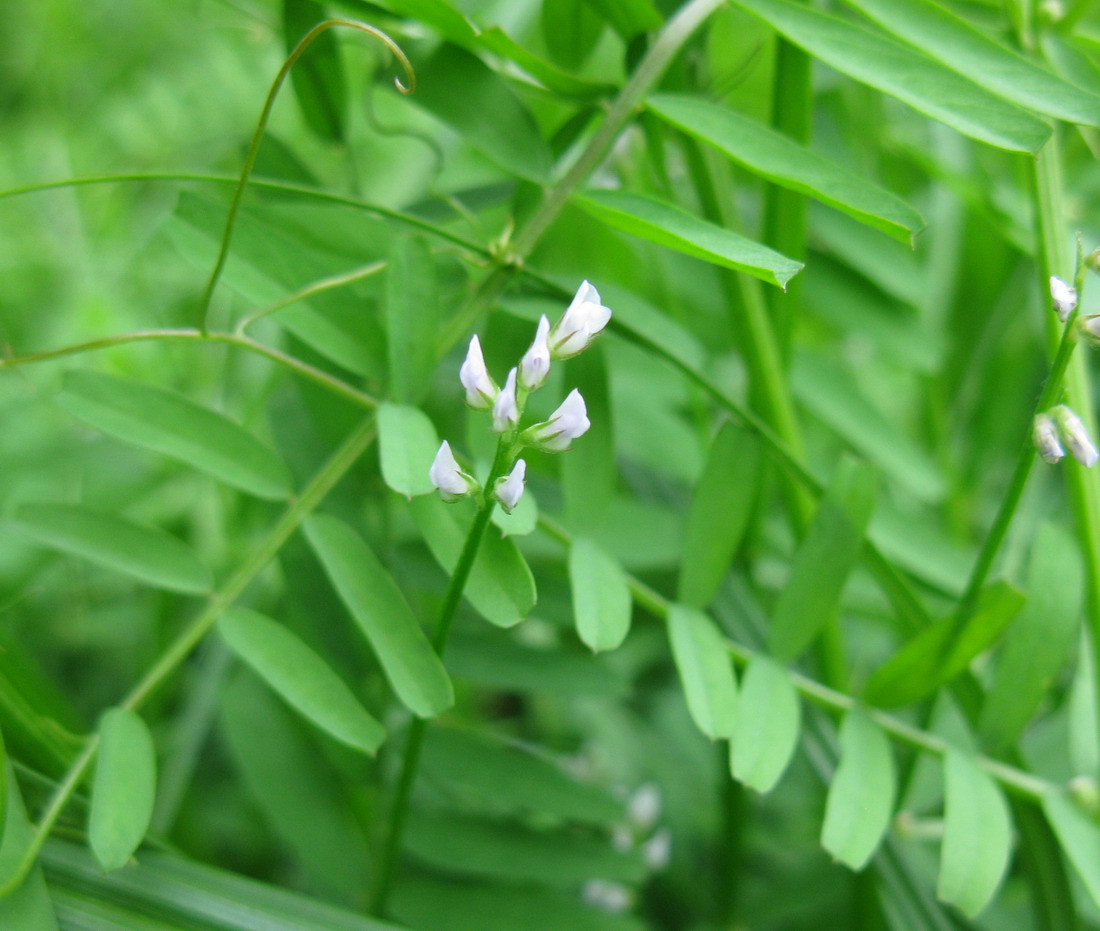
(407, 444)
(372, 597)
(123, 790)
(705, 669)
(977, 835)
(147, 553)
(769, 720)
(861, 796)
(601, 596)
(298, 675)
(171, 424)
(28, 907)
(412, 319)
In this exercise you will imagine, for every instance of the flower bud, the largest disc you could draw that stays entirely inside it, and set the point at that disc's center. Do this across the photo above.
(1063, 296)
(1076, 436)
(505, 409)
(568, 422)
(1090, 327)
(446, 475)
(1045, 434)
(509, 490)
(535, 365)
(1092, 260)
(580, 324)
(481, 391)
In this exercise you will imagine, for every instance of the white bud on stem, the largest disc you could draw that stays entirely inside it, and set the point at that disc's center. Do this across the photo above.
(1064, 297)
(446, 475)
(481, 391)
(1076, 436)
(508, 490)
(580, 324)
(505, 408)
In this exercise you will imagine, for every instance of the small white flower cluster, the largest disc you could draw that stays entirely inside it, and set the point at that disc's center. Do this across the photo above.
(1062, 424)
(585, 317)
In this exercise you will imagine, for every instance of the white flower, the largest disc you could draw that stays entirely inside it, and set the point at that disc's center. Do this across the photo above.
(1046, 439)
(505, 411)
(1064, 297)
(1076, 436)
(509, 490)
(481, 391)
(644, 806)
(568, 422)
(1090, 326)
(451, 481)
(657, 850)
(607, 895)
(535, 365)
(580, 324)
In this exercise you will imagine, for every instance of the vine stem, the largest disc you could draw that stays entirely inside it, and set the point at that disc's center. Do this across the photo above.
(261, 126)
(319, 486)
(410, 759)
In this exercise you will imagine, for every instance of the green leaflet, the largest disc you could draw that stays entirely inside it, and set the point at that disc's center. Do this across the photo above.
(1036, 643)
(705, 669)
(28, 907)
(668, 225)
(949, 39)
(601, 596)
(861, 796)
(769, 720)
(412, 319)
(589, 474)
(779, 159)
(827, 554)
(124, 788)
(407, 444)
(304, 680)
(908, 75)
(1079, 837)
(169, 423)
(374, 600)
(146, 553)
(977, 835)
(720, 509)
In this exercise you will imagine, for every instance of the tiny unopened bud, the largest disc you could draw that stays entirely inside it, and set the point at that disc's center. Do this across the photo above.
(446, 475)
(509, 490)
(535, 365)
(1076, 436)
(580, 324)
(481, 391)
(568, 422)
(1046, 439)
(1064, 297)
(505, 409)
(1092, 260)
(1084, 791)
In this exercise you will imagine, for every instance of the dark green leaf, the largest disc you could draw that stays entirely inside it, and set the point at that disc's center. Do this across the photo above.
(769, 720)
(171, 424)
(407, 444)
(706, 670)
(28, 907)
(628, 18)
(374, 600)
(147, 553)
(601, 596)
(782, 161)
(412, 319)
(668, 225)
(903, 73)
(124, 789)
(304, 680)
(570, 29)
(318, 76)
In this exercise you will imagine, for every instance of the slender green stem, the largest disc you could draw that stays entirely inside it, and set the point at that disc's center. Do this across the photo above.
(410, 760)
(261, 126)
(319, 486)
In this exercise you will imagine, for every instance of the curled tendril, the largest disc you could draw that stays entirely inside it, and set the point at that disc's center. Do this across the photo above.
(261, 125)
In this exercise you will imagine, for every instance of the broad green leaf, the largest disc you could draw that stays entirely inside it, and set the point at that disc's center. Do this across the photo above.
(861, 796)
(769, 720)
(412, 319)
(169, 423)
(553, 78)
(147, 553)
(500, 587)
(1036, 643)
(601, 596)
(939, 653)
(706, 670)
(374, 600)
(124, 788)
(628, 18)
(462, 91)
(476, 847)
(299, 676)
(977, 835)
(779, 159)
(934, 29)
(667, 225)
(570, 29)
(28, 907)
(825, 557)
(318, 76)
(1079, 836)
(407, 444)
(589, 474)
(721, 505)
(904, 73)
(491, 775)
